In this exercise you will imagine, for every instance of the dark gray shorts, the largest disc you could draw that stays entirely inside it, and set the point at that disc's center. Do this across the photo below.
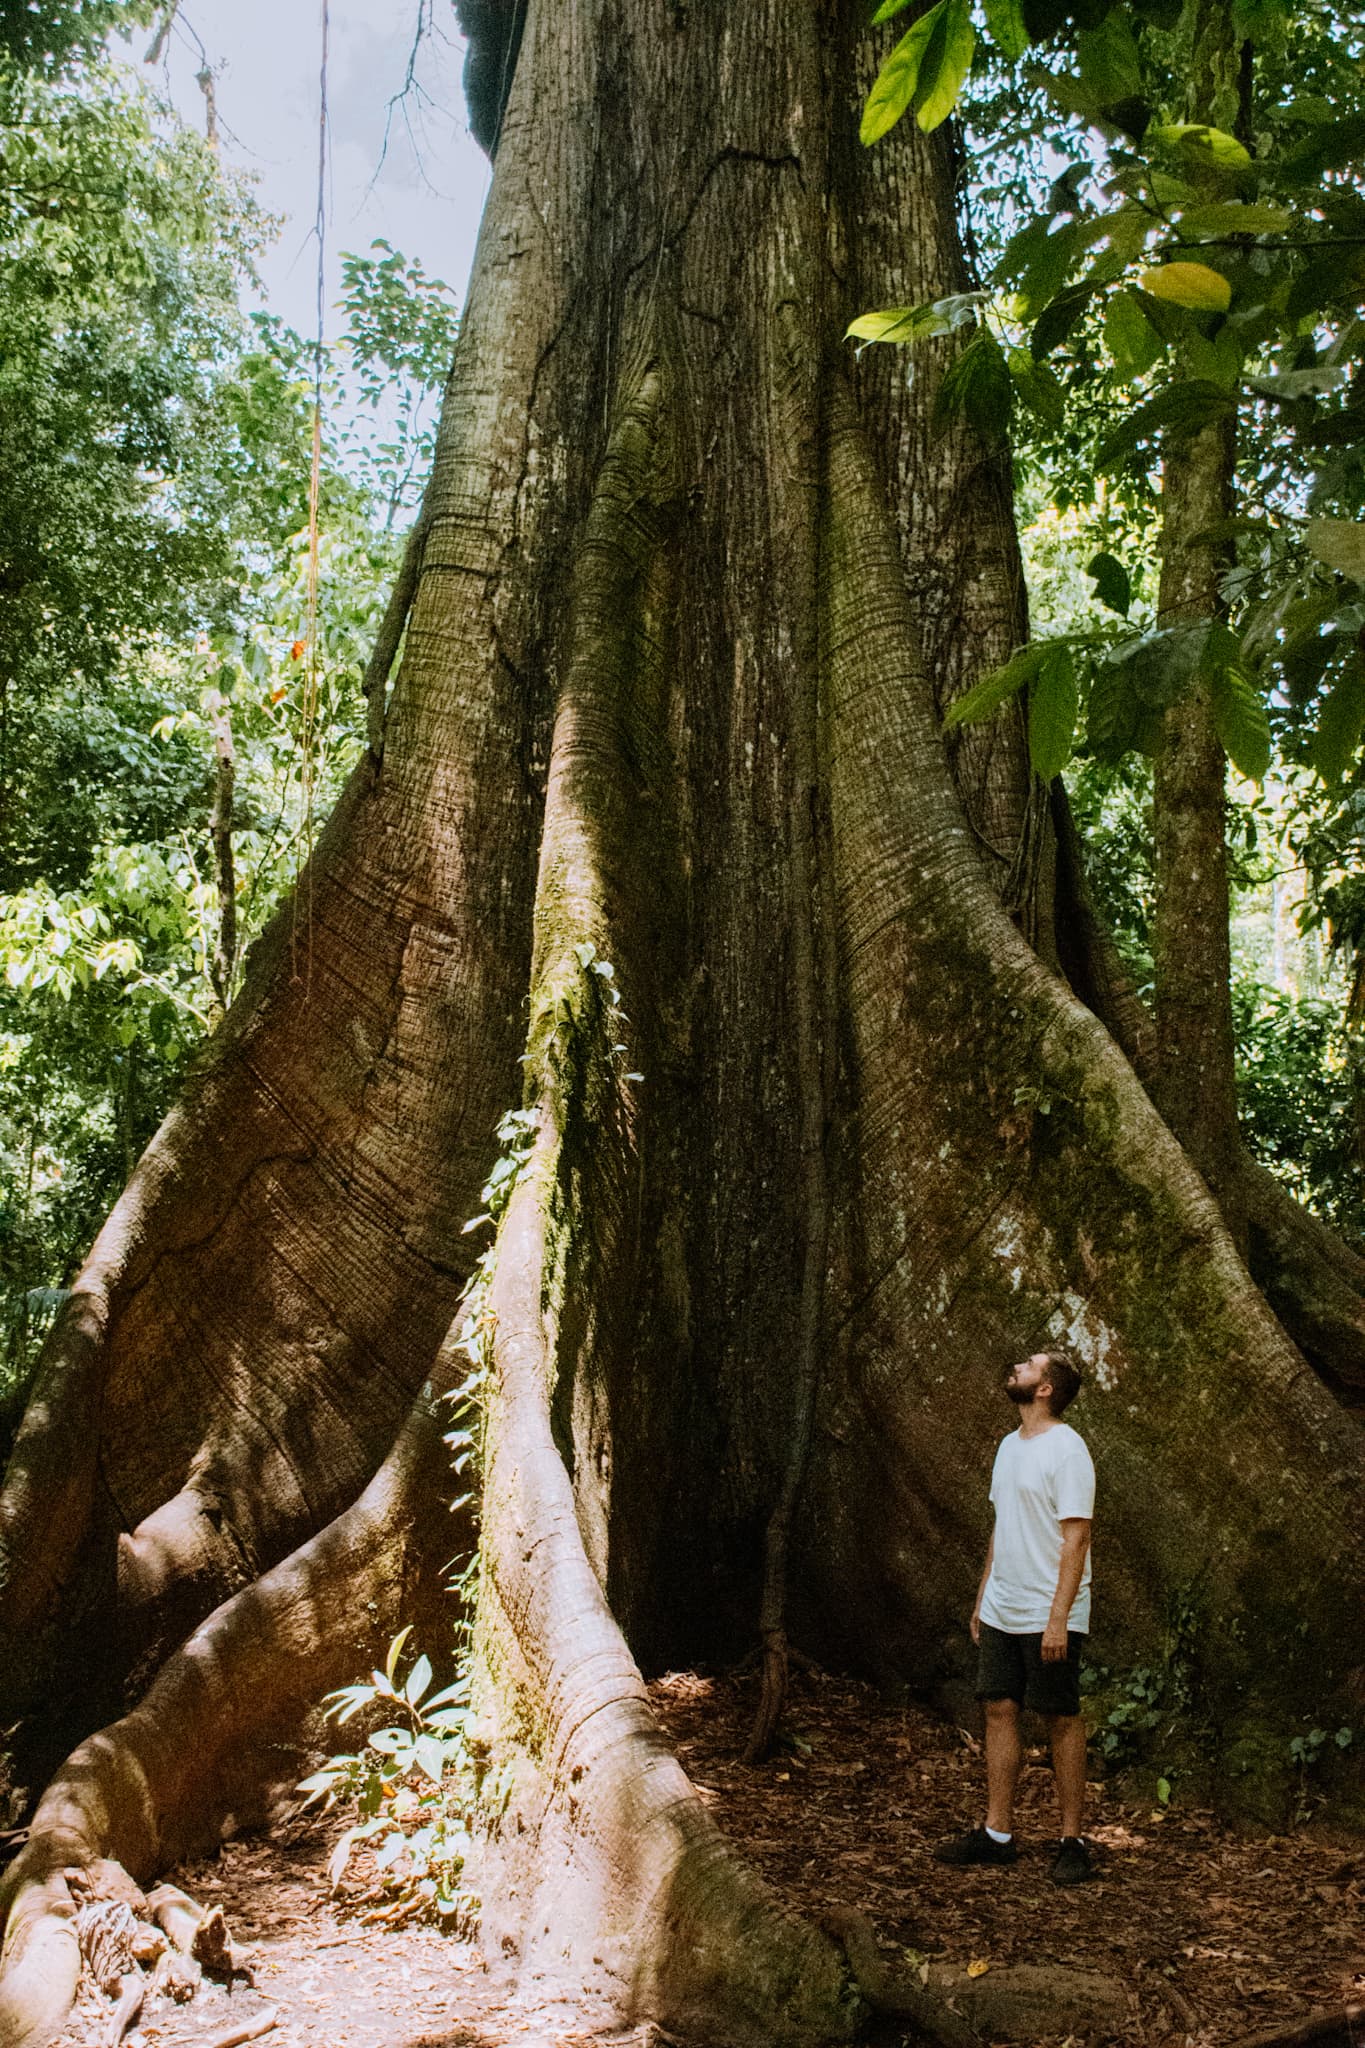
(1012, 1668)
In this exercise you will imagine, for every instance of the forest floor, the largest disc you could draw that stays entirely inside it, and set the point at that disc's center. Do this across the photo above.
(1213, 1935)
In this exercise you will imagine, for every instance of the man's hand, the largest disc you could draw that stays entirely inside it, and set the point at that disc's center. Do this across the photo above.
(1054, 1641)
(975, 1626)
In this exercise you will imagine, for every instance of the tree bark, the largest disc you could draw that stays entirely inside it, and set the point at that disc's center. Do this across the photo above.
(664, 841)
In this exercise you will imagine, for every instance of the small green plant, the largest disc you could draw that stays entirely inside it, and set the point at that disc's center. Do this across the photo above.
(1133, 1711)
(410, 1785)
(1307, 1750)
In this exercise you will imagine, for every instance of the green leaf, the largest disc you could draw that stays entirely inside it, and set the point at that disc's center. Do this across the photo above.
(1053, 704)
(1339, 543)
(1181, 409)
(429, 1756)
(1113, 587)
(1332, 146)
(1189, 284)
(1206, 147)
(1234, 217)
(1163, 1791)
(395, 1652)
(419, 1678)
(1112, 712)
(943, 69)
(1059, 319)
(977, 388)
(1038, 386)
(992, 691)
(916, 323)
(1130, 337)
(895, 83)
(1008, 30)
(1110, 65)
(888, 10)
(1239, 717)
(1340, 723)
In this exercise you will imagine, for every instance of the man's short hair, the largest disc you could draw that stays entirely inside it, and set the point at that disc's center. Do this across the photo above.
(1065, 1377)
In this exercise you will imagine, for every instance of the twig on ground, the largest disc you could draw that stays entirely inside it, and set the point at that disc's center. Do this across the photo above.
(250, 2030)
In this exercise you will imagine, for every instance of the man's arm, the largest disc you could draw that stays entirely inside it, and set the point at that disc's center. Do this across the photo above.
(981, 1589)
(1075, 1544)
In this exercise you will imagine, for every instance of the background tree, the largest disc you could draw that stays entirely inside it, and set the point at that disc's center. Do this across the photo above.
(154, 460)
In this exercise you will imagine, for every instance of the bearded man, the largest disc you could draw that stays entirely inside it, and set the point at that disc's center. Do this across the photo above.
(1032, 1613)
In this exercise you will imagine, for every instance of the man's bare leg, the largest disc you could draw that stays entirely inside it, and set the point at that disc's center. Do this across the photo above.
(1004, 1754)
(1068, 1769)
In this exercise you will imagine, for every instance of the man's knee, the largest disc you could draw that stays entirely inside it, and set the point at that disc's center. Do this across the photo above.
(1001, 1713)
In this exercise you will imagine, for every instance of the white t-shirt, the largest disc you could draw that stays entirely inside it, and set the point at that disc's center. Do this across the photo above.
(1038, 1483)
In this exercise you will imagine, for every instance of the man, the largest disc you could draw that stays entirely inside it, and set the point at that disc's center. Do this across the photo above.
(1033, 1611)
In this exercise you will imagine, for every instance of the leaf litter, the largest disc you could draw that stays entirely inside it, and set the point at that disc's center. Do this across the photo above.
(1214, 1935)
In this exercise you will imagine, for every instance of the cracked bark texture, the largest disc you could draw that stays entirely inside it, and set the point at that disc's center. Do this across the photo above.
(692, 591)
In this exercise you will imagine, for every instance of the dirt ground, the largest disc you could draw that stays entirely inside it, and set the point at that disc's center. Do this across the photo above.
(1214, 1936)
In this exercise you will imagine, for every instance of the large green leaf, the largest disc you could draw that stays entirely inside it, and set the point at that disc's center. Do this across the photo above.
(1129, 336)
(1059, 319)
(1339, 543)
(1113, 585)
(944, 66)
(993, 690)
(917, 323)
(926, 69)
(1340, 723)
(1110, 65)
(895, 83)
(1053, 704)
(1331, 146)
(1234, 217)
(1202, 146)
(1038, 386)
(1008, 29)
(1112, 712)
(977, 388)
(1193, 285)
(1179, 410)
(1239, 713)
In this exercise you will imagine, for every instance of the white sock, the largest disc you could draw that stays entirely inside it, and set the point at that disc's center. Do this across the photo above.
(996, 1835)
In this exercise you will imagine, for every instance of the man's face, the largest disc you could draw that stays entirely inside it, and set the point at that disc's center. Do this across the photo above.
(1027, 1378)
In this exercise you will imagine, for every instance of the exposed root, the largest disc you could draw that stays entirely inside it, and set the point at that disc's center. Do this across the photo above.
(895, 1992)
(147, 1788)
(1312, 1279)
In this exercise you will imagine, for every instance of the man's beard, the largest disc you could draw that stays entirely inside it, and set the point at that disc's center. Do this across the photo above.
(1022, 1397)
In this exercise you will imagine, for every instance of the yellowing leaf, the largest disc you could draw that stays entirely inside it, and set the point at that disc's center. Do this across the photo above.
(1189, 284)
(978, 1968)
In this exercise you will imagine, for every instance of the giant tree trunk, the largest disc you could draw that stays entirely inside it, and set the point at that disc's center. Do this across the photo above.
(661, 806)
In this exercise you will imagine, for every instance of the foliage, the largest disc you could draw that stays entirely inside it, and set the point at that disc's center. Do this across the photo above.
(411, 1784)
(1170, 279)
(155, 445)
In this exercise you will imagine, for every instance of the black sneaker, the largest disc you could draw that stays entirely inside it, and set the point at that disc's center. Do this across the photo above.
(1074, 1863)
(976, 1846)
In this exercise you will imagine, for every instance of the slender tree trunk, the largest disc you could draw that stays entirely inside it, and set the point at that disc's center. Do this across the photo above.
(1194, 1075)
(664, 842)
(224, 959)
